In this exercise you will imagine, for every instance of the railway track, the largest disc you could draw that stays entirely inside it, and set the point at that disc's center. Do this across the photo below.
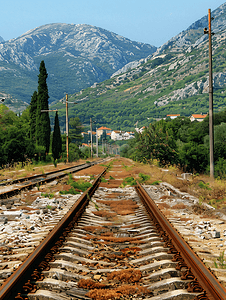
(113, 243)
(15, 186)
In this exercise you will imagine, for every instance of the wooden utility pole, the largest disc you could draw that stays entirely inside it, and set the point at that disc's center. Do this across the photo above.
(67, 144)
(211, 129)
(91, 138)
(97, 141)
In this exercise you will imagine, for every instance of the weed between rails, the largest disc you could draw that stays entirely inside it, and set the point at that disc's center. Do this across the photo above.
(46, 195)
(117, 293)
(115, 286)
(76, 186)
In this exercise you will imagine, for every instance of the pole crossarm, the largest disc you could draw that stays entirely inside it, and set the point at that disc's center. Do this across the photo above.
(47, 110)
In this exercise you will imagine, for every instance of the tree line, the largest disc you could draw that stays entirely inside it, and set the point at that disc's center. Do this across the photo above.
(28, 137)
(182, 143)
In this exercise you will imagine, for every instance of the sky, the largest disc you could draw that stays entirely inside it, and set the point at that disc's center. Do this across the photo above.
(147, 21)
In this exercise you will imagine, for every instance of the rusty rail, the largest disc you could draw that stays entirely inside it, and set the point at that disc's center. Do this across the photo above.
(203, 279)
(20, 279)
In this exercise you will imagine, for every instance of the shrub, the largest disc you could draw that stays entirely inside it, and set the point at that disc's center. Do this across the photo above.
(143, 177)
(220, 168)
(205, 186)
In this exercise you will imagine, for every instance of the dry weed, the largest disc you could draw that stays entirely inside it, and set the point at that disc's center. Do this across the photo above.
(128, 275)
(90, 284)
(117, 293)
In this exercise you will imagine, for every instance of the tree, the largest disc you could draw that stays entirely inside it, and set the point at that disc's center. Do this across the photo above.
(43, 128)
(75, 130)
(193, 157)
(57, 140)
(33, 113)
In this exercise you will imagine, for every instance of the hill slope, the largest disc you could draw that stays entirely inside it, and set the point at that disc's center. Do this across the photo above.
(76, 56)
(173, 80)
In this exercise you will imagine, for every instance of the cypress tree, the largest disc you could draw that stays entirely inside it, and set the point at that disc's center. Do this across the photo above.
(43, 128)
(33, 112)
(57, 141)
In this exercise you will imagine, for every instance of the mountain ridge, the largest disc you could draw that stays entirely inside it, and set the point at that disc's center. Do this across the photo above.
(174, 79)
(89, 53)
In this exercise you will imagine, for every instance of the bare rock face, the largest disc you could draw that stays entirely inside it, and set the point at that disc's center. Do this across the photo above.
(75, 56)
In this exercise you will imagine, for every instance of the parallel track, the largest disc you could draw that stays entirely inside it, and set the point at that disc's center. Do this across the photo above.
(143, 241)
(32, 181)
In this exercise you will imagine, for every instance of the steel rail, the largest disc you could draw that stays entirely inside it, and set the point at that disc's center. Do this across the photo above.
(15, 282)
(43, 178)
(212, 288)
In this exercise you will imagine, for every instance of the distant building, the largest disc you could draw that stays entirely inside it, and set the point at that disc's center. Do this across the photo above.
(118, 135)
(198, 117)
(173, 116)
(85, 145)
(140, 130)
(102, 129)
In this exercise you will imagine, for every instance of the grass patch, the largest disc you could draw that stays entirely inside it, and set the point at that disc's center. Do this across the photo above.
(76, 186)
(204, 186)
(103, 179)
(221, 263)
(129, 181)
(143, 177)
(157, 182)
(46, 195)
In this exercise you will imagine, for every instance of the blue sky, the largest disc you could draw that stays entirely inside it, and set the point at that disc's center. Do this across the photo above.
(147, 21)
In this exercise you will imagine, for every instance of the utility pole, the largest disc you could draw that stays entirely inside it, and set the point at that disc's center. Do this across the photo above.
(211, 131)
(97, 141)
(91, 138)
(67, 144)
(67, 126)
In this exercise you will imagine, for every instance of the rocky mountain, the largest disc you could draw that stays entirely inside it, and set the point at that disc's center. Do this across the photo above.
(76, 56)
(173, 80)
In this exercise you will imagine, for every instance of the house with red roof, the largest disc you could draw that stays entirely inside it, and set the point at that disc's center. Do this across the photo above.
(198, 117)
(173, 116)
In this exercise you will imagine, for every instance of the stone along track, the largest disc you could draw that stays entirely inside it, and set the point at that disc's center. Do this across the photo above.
(119, 247)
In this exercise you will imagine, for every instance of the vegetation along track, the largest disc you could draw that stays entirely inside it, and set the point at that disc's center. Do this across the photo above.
(113, 243)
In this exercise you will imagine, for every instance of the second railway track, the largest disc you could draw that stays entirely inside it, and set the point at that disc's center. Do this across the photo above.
(15, 186)
(118, 248)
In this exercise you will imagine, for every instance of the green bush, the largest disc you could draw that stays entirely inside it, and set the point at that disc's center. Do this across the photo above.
(204, 186)
(143, 177)
(220, 168)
